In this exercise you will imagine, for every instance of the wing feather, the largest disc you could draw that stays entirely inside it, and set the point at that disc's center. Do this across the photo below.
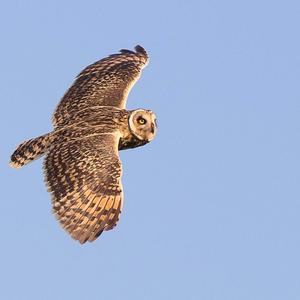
(84, 178)
(107, 82)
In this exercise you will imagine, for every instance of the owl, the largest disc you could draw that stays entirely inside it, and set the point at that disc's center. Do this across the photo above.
(82, 167)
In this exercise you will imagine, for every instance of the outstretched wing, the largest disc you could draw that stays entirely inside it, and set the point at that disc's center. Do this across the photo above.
(84, 178)
(107, 82)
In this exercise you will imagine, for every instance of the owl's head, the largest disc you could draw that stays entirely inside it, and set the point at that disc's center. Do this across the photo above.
(142, 124)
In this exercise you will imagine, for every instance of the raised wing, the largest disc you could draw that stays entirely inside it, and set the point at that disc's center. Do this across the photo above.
(107, 82)
(84, 178)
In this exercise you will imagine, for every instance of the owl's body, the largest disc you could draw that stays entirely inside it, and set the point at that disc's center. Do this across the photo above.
(82, 166)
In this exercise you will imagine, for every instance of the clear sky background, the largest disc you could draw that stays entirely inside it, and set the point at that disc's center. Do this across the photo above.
(212, 205)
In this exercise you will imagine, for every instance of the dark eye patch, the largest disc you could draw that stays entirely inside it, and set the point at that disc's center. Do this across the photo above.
(141, 120)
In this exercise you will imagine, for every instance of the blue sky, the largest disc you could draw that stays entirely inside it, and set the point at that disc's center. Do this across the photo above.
(212, 204)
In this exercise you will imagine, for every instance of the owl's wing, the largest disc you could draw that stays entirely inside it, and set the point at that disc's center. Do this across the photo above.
(107, 82)
(84, 178)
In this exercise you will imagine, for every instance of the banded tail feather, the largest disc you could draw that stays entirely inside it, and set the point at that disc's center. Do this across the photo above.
(30, 150)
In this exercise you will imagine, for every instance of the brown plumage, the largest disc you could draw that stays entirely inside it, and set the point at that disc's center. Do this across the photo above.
(82, 166)
(106, 82)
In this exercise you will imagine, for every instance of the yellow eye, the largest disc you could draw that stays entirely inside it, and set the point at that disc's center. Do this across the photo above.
(141, 121)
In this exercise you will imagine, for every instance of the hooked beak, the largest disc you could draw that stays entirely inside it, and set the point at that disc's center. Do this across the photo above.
(152, 128)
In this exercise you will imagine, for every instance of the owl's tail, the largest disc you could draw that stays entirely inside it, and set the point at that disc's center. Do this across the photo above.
(30, 150)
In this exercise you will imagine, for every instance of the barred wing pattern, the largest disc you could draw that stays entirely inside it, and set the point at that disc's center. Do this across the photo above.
(104, 83)
(83, 177)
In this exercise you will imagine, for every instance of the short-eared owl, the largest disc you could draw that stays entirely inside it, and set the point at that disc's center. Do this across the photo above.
(82, 165)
